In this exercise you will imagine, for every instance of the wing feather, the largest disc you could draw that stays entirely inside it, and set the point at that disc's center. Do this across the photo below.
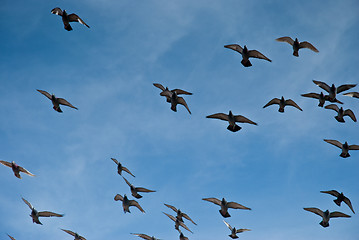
(220, 116)
(236, 206)
(257, 54)
(332, 107)
(66, 103)
(286, 39)
(235, 47)
(315, 210)
(307, 45)
(271, 102)
(334, 142)
(213, 200)
(242, 119)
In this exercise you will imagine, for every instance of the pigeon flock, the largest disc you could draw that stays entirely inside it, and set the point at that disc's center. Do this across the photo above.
(176, 97)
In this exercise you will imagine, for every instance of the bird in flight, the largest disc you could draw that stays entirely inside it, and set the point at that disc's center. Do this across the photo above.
(16, 168)
(56, 101)
(225, 205)
(340, 198)
(76, 235)
(282, 103)
(341, 113)
(234, 231)
(177, 222)
(35, 214)
(144, 236)
(321, 97)
(180, 214)
(246, 54)
(135, 190)
(121, 168)
(326, 215)
(126, 203)
(297, 45)
(332, 90)
(345, 147)
(67, 18)
(232, 119)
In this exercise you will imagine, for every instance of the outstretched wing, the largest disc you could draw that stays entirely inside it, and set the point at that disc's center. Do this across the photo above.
(118, 197)
(128, 171)
(307, 45)
(188, 218)
(57, 11)
(170, 216)
(159, 86)
(242, 119)
(311, 95)
(220, 116)
(271, 102)
(49, 214)
(26, 171)
(115, 160)
(69, 232)
(144, 236)
(322, 85)
(184, 226)
(27, 203)
(286, 39)
(235, 47)
(229, 226)
(48, 95)
(352, 94)
(11, 237)
(290, 102)
(331, 192)
(181, 100)
(315, 210)
(74, 18)
(350, 113)
(236, 206)
(66, 103)
(180, 91)
(8, 164)
(334, 142)
(354, 147)
(338, 214)
(170, 206)
(128, 183)
(213, 200)
(333, 107)
(242, 230)
(345, 87)
(257, 54)
(347, 201)
(141, 189)
(136, 204)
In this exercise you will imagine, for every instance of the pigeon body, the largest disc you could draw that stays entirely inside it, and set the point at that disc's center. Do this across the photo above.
(246, 54)
(340, 198)
(225, 205)
(232, 119)
(234, 231)
(35, 214)
(67, 18)
(345, 147)
(126, 203)
(282, 103)
(341, 113)
(326, 216)
(135, 190)
(121, 168)
(173, 98)
(16, 168)
(56, 102)
(297, 45)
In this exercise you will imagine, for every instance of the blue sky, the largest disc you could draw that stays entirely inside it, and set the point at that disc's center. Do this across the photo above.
(107, 71)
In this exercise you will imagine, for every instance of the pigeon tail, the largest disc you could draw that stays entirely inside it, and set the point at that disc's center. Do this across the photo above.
(324, 224)
(234, 128)
(295, 53)
(337, 202)
(68, 27)
(246, 63)
(226, 214)
(344, 155)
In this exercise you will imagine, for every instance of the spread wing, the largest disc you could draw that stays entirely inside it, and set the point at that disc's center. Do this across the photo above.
(11, 237)
(184, 226)
(347, 201)
(66, 103)
(257, 54)
(220, 116)
(27, 203)
(242, 230)
(57, 11)
(350, 113)
(128, 183)
(170, 206)
(286, 39)
(49, 214)
(69, 232)
(48, 95)
(213, 200)
(115, 160)
(141, 189)
(170, 216)
(236, 206)
(8, 164)
(322, 85)
(128, 171)
(338, 214)
(188, 218)
(118, 197)
(229, 226)
(334, 142)
(25, 171)
(235, 47)
(136, 204)
(144, 236)
(290, 102)
(240, 118)
(333, 107)
(315, 210)
(307, 45)
(159, 86)
(271, 102)
(352, 94)
(181, 100)
(345, 87)
(331, 192)
(354, 147)
(311, 95)
(180, 91)
(74, 18)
